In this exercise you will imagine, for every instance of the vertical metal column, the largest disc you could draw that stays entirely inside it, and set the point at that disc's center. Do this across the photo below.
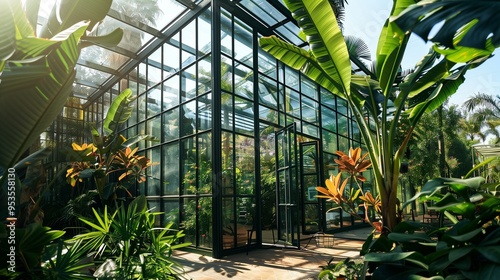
(216, 132)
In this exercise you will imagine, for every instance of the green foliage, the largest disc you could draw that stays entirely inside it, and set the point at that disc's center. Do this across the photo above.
(126, 244)
(465, 248)
(37, 73)
(30, 243)
(380, 101)
(349, 268)
(109, 163)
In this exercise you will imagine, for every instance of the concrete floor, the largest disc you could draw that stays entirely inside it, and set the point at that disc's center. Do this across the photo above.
(273, 263)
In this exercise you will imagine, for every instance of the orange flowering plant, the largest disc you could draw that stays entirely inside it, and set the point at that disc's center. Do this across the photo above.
(352, 164)
(109, 162)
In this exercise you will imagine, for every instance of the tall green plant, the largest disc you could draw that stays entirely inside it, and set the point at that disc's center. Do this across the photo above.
(379, 100)
(127, 244)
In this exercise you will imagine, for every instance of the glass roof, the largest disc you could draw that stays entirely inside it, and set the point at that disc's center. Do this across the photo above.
(145, 23)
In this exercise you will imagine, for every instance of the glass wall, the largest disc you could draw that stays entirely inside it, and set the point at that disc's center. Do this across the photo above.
(258, 96)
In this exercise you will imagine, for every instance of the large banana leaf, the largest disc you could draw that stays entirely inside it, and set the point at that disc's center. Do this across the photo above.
(324, 37)
(70, 12)
(119, 111)
(456, 14)
(390, 49)
(28, 106)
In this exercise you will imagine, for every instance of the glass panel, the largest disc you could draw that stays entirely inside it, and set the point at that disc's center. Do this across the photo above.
(142, 107)
(189, 219)
(205, 164)
(309, 88)
(243, 43)
(154, 71)
(310, 184)
(343, 144)
(342, 125)
(133, 38)
(156, 14)
(342, 106)
(243, 81)
(310, 111)
(205, 221)
(142, 186)
(171, 56)
(332, 217)
(171, 209)
(153, 172)
(245, 164)
(264, 11)
(171, 92)
(154, 101)
(229, 233)
(188, 83)
(329, 119)
(327, 98)
(292, 102)
(244, 116)
(188, 36)
(356, 134)
(204, 37)
(227, 163)
(188, 118)
(227, 111)
(141, 130)
(188, 162)
(267, 64)
(226, 33)
(205, 112)
(170, 164)
(170, 121)
(91, 76)
(311, 217)
(226, 75)
(268, 92)
(245, 208)
(154, 205)
(205, 75)
(330, 141)
(291, 78)
(310, 130)
(104, 57)
(268, 114)
(290, 31)
(154, 129)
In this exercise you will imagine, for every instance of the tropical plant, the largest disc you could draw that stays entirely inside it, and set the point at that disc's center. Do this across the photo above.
(381, 99)
(127, 244)
(466, 247)
(350, 199)
(30, 243)
(486, 109)
(109, 163)
(37, 72)
(350, 269)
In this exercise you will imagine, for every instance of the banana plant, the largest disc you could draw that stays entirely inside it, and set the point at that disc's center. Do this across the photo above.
(381, 100)
(37, 72)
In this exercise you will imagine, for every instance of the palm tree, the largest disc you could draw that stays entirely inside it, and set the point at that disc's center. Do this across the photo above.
(379, 101)
(486, 109)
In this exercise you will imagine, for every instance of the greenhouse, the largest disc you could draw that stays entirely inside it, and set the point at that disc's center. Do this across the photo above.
(223, 127)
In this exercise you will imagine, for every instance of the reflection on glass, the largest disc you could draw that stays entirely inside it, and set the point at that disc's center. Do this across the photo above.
(204, 75)
(170, 163)
(188, 118)
(245, 164)
(170, 121)
(244, 116)
(171, 92)
(188, 83)
(153, 172)
(205, 112)
(188, 39)
(243, 81)
(243, 43)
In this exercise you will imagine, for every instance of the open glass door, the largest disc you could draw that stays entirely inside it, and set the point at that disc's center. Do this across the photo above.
(309, 180)
(287, 188)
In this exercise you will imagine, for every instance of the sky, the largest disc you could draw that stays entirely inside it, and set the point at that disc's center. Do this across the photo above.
(365, 18)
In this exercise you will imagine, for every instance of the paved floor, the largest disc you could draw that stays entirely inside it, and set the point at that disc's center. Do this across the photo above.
(273, 263)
